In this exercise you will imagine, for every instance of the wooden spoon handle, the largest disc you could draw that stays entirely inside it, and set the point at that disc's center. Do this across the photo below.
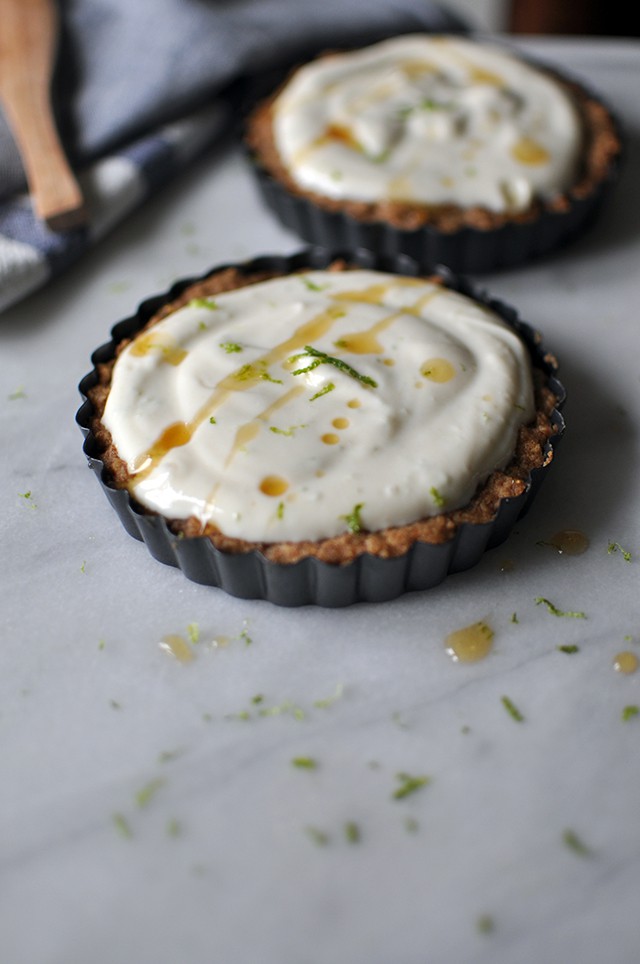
(27, 47)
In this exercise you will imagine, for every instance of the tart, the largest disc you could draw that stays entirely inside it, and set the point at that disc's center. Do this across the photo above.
(321, 428)
(440, 147)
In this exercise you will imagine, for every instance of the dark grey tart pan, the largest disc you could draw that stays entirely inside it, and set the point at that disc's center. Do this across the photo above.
(311, 582)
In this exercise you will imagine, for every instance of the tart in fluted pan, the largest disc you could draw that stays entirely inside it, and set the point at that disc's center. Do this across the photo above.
(313, 415)
(440, 147)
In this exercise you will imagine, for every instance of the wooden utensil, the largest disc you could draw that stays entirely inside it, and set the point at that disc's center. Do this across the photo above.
(28, 35)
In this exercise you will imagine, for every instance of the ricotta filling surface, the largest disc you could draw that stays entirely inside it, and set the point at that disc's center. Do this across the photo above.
(428, 120)
(310, 405)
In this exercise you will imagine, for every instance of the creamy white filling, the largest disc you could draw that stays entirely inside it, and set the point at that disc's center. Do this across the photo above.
(410, 397)
(428, 119)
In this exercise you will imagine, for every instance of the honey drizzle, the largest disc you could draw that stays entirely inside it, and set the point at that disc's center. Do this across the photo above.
(366, 342)
(238, 381)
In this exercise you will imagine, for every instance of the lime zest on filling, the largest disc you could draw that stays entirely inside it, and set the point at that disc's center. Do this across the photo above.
(353, 520)
(321, 357)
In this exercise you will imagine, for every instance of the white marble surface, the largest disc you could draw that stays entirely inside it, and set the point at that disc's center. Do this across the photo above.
(220, 866)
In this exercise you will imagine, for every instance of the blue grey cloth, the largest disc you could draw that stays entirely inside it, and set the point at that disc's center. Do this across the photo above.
(144, 86)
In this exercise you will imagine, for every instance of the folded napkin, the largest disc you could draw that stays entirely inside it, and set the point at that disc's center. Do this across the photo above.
(142, 87)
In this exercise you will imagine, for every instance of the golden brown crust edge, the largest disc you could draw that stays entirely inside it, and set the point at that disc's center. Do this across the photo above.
(602, 146)
(531, 452)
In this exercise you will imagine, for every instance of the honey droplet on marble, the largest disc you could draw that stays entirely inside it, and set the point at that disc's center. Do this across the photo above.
(177, 646)
(626, 662)
(330, 438)
(340, 423)
(438, 370)
(569, 542)
(273, 485)
(470, 644)
(354, 403)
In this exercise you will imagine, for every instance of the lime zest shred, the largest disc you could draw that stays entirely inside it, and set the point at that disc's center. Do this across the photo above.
(203, 303)
(436, 496)
(630, 712)
(321, 357)
(616, 547)
(304, 763)
(318, 837)
(280, 511)
(512, 709)
(485, 924)
(193, 632)
(323, 391)
(174, 827)
(231, 347)
(289, 432)
(353, 520)
(330, 700)
(145, 795)
(558, 612)
(576, 844)
(312, 285)
(409, 784)
(121, 824)
(570, 648)
(352, 832)
(284, 708)
(18, 393)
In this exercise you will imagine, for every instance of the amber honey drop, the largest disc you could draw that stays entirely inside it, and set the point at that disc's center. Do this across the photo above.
(471, 644)
(569, 542)
(354, 403)
(177, 646)
(626, 662)
(340, 423)
(330, 438)
(273, 485)
(438, 370)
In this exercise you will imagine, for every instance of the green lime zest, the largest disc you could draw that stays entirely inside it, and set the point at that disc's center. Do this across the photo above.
(323, 391)
(558, 612)
(321, 358)
(512, 709)
(616, 547)
(353, 520)
(408, 785)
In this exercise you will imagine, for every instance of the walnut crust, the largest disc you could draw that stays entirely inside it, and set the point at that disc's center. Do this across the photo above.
(601, 148)
(394, 541)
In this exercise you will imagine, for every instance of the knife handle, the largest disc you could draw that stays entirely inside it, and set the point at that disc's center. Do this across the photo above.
(27, 47)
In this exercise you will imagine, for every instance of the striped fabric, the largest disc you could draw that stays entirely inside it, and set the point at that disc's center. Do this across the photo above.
(127, 141)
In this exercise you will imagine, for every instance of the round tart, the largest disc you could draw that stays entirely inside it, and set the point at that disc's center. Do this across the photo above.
(319, 428)
(439, 147)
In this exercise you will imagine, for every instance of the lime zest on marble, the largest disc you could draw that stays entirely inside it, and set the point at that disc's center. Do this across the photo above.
(512, 709)
(615, 547)
(540, 600)
(304, 763)
(409, 784)
(576, 844)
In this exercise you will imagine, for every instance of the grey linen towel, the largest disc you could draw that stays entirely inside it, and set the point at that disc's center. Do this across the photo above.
(142, 87)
